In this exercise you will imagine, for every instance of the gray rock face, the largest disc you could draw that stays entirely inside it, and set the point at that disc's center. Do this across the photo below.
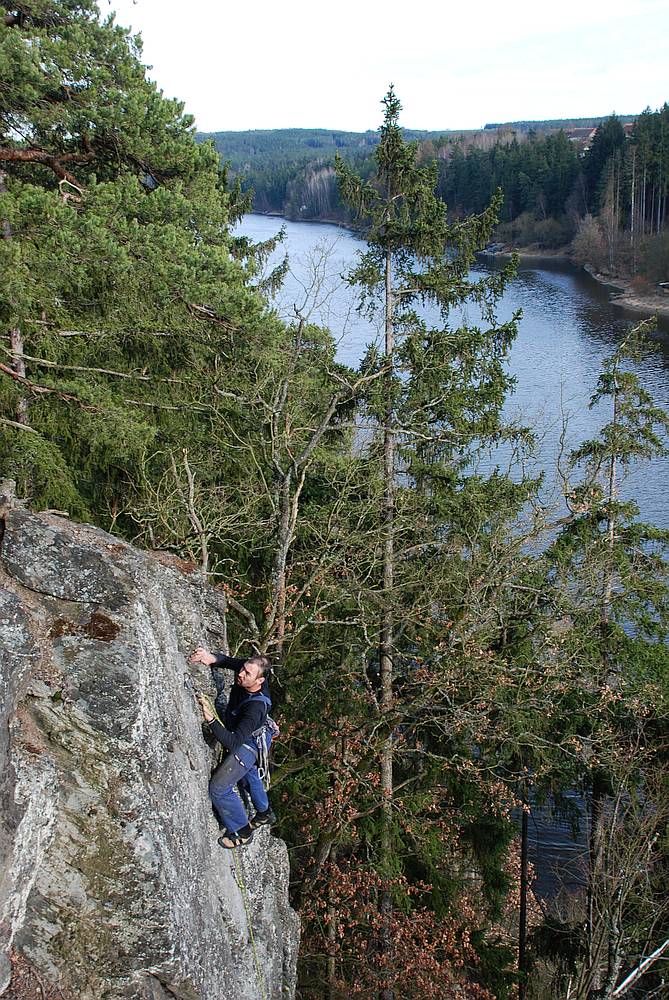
(112, 884)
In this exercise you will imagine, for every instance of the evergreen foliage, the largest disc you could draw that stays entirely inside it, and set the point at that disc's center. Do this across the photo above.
(536, 176)
(395, 802)
(121, 290)
(553, 182)
(607, 583)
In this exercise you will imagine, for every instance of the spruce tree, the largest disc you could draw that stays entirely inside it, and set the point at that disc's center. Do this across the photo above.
(607, 583)
(436, 407)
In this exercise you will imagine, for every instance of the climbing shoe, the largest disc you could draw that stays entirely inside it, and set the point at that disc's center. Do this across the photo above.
(238, 839)
(265, 818)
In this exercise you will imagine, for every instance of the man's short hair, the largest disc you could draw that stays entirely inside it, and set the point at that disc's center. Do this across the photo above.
(262, 663)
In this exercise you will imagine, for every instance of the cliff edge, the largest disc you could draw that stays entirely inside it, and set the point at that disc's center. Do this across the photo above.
(112, 884)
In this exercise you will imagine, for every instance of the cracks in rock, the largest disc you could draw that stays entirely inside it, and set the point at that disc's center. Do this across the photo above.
(44, 593)
(162, 990)
(8, 500)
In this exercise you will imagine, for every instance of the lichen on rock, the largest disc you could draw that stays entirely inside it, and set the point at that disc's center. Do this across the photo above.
(113, 885)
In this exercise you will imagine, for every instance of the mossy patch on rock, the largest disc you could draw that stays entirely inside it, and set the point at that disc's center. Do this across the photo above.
(99, 626)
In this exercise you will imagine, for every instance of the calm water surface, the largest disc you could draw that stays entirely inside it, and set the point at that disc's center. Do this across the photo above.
(568, 327)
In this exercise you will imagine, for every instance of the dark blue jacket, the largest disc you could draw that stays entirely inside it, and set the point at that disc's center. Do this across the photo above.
(244, 713)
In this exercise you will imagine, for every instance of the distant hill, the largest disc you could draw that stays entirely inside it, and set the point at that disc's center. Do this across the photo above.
(296, 144)
(299, 145)
(556, 123)
(291, 171)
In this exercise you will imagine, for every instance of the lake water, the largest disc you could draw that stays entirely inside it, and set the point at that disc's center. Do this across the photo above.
(568, 328)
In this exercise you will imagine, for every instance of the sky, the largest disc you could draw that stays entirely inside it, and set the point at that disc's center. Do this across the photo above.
(301, 64)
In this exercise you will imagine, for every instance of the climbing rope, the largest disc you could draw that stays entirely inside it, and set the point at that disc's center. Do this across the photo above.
(247, 910)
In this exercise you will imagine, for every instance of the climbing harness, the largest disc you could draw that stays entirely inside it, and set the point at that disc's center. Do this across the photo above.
(239, 878)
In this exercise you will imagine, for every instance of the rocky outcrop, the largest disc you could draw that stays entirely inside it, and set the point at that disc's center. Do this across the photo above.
(112, 884)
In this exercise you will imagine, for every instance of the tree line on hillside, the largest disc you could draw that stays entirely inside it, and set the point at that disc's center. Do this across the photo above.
(625, 230)
(449, 650)
(536, 125)
(240, 149)
(608, 203)
(275, 162)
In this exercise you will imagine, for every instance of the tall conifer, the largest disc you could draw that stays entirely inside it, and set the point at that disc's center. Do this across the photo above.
(436, 407)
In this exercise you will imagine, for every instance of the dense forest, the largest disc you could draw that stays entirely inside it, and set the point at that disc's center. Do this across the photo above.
(546, 124)
(279, 165)
(598, 188)
(284, 166)
(449, 652)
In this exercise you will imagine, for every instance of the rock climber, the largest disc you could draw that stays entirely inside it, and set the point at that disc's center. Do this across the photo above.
(244, 720)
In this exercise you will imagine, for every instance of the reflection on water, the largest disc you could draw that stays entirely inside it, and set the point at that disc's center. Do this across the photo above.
(568, 328)
(557, 846)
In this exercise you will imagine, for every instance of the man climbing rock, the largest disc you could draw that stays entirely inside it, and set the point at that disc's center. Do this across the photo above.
(244, 718)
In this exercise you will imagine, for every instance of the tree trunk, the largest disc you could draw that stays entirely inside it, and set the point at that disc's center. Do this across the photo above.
(632, 213)
(19, 366)
(387, 624)
(596, 838)
(15, 335)
(522, 916)
(275, 623)
(612, 496)
(595, 860)
(332, 935)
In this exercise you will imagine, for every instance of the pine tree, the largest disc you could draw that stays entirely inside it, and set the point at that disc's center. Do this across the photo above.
(122, 293)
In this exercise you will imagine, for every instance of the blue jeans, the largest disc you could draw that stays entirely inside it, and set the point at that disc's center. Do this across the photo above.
(223, 793)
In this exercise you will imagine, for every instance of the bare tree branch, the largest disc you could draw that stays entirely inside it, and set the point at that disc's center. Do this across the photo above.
(54, 163)
(640, 970)
(246, 614)
(141, 376)
(19, 426)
